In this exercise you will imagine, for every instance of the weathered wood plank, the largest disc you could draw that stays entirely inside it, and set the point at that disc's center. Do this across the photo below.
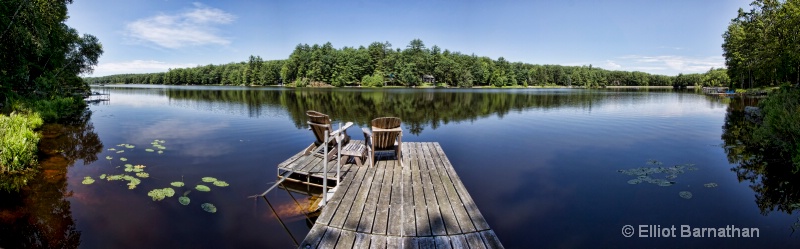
(459, 241)
(394, 242)
(409, 225)
(434, 215)
(381, 222)
(362, 240)
(426, 243)
(377, 241)
(491, 239)
(368, 217)
(474, 240)
(330, 238)
(423, 225)
(346, 239)
(442, 242)
(357, 209)
(314, 237)
(347, 201)
(464, 220)
(451, 224)
(331, 208)
(395, 224)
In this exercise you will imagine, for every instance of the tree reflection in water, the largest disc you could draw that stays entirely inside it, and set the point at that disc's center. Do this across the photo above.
(38, 215)
(776, 186)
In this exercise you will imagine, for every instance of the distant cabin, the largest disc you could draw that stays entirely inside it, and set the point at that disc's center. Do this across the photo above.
(428, 78)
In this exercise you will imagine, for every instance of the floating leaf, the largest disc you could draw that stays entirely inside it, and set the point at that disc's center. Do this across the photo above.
(149, 150)
(130, 146)
(137, 170)
(634, 181)
(109, 157)
(161, 193)
(177, 184)
(160, 152)
(209, 179)
(123, 159)
(128, 169)
(685, 194)
(87, 180)
(220, 184)
(710, 185)
(120, 145)
(139, 166)
(112, 149)
(103, 176)
(208, 207)
(128, 165)
(143, 174)
(114, 177)
(203, 188)
(120, 151)
(184, 200)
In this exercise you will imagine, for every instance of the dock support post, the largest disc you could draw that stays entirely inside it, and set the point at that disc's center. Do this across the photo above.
(339, 157)
(325, 171)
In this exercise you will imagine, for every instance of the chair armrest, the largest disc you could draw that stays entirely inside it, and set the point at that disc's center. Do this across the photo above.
(342, 129)
(376, 129)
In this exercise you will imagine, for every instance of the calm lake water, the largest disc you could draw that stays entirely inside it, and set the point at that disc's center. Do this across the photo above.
(542, 166)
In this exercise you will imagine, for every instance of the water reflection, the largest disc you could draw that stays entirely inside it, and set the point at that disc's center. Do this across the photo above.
(776, 187)
(39, 215)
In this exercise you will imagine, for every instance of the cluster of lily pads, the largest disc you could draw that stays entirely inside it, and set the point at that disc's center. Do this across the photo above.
(159, 193)
(653, 175)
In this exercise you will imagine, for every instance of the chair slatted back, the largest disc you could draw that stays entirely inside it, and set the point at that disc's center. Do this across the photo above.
(319, 123)
(385, 131)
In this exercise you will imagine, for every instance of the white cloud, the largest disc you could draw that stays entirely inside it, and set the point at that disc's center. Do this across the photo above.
(612, 65)
(665, 64)
(136, 66)
(194, 27)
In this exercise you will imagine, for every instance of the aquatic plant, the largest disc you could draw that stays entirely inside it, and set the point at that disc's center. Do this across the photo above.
(160, 152)
(160, 194)
(87, 180)
(123, 159)
(221, 184)
(120, 151)
(710, 185)
(177, 184)
(643, 174)
(112, 149)
(128, 165)
(130, 146)
(209, 179)
(208, 207)
(142, 174)
(103, 176)
(685, 194)
(203, 188)
(109, 157)
(184, 200)
(149, 150)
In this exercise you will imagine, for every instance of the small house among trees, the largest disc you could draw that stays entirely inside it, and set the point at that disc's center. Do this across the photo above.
(427, 78)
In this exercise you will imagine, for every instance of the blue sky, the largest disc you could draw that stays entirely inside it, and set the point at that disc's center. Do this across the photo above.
(661, 37)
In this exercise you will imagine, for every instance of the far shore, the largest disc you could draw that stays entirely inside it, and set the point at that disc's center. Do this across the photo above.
(432, 87)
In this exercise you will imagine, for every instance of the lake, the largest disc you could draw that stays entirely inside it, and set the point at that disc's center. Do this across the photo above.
(546, 167)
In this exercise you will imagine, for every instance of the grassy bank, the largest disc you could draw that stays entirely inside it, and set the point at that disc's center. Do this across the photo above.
(19, 137)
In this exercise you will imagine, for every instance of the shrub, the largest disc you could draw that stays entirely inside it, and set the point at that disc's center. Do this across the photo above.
(780, 129)
(18, 141)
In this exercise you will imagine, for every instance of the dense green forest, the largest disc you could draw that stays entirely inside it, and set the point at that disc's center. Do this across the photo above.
(762, 46)
(379, 64)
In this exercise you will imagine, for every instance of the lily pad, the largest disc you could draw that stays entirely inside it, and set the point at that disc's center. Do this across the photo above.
(160, 152)
(143, 174)
(177, 184)
(203, 188)
(128, 165)
(161, 193)
(130, 146)
(87, 180)
(138, 170)
(123, 159)
(685, 194)
(103, 176)
(112, 149)
(208, 207)
(221, 184)
(149, 150)
(635, 181)
(209, 179)
(139, 166)
(710, 185)
(109, 157)
(184, 200)
(120, 151)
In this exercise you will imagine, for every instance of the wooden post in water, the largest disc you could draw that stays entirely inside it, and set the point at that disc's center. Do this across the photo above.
(339, 155)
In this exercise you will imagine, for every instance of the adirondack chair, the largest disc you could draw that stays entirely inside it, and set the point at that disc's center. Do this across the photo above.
(385, 135)
(319, 123)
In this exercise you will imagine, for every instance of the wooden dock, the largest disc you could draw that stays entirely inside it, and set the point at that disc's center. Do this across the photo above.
(422, 204)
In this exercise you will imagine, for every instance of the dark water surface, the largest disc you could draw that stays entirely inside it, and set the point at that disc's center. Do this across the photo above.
(542, 166)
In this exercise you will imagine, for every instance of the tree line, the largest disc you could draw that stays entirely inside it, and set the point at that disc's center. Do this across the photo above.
(379, 64)
(762, 46)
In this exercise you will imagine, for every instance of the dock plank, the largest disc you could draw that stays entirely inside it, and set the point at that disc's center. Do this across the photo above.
(420, 203)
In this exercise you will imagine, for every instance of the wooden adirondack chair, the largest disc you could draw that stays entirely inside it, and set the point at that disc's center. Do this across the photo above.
(385, 135)
(319, 123)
